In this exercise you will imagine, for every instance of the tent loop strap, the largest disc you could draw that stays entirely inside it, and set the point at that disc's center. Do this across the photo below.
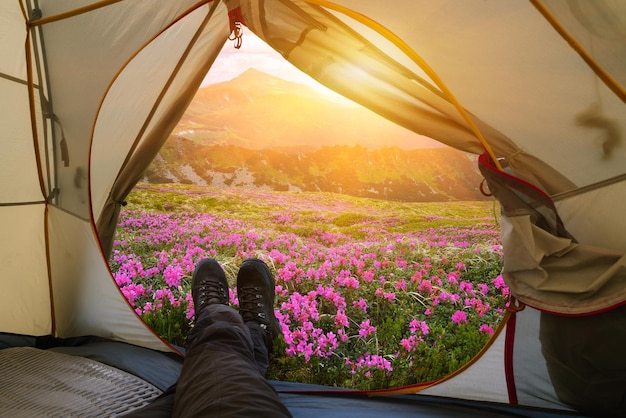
(513, 155)
(36, 14)
(237, 34)
(515, 305)
(484, 188)
(118, 202)
(49, 114)
(53, 194)
(235, 18)
(65, 153)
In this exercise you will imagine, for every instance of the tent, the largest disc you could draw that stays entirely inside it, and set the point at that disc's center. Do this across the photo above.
(90, 90)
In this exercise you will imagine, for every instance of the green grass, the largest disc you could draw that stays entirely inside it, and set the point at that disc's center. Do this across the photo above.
(332, 233)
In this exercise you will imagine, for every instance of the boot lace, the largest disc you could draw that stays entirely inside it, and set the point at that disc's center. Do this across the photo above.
(251, 306)
(211, 292)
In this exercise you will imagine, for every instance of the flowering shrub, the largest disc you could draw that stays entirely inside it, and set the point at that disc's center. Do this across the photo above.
(368, 295)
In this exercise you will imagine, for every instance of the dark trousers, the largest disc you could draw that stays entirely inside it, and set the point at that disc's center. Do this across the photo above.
(223, 374)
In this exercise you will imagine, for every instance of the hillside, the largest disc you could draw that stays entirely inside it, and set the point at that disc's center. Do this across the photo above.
(428, 175)
(258, 111)
(258, 131)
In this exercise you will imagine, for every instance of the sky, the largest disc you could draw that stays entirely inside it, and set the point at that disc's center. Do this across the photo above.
(254, 53)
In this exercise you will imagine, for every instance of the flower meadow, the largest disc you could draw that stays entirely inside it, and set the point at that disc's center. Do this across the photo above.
(369, 294)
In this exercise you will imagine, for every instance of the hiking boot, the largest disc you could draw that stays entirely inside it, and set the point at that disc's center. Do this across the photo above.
(255, 290)
(209, 285)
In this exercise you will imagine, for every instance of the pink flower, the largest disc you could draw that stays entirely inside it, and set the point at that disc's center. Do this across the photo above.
(410, 344)
(366, 329)
(342, 335)
(373, 362)
(190, 309)
(486, 329)
(351, 283)
(406, 344)
(361, 304)
(425, 287)
(483, 288)
(133, 291)
(341, 319)
(401, 263)
(232, 297)
(401, 285)
(467, 287)
(459, 317)
(420, 326)
(122, 279)
(499, 283)
(453, 277)
(173, 275)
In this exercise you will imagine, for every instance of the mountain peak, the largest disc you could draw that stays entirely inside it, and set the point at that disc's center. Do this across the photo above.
(259, 110)
(252, 77)
(253, 72)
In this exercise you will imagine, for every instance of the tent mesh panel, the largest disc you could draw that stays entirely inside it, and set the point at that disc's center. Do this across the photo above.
(37, 382)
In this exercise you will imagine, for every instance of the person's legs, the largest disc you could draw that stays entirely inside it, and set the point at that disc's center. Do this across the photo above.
(255, 291)
(220, 375)
(261, 355)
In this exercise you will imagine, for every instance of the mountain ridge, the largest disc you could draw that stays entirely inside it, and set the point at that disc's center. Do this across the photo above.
(259, 131)
(257, 110)
(423, 175)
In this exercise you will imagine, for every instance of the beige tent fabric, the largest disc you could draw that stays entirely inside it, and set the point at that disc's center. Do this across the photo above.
(91, 89)
(55, 279)
(211, 35)
(557, 275)
(25, 304)
(597, 29)
(86, 300)
(488, 370)
(544, 266)
(25, 297)
(590, 214)
(507, 65)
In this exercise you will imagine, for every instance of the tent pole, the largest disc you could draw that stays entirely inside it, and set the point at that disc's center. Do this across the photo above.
(415, 57)
(606, 78)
